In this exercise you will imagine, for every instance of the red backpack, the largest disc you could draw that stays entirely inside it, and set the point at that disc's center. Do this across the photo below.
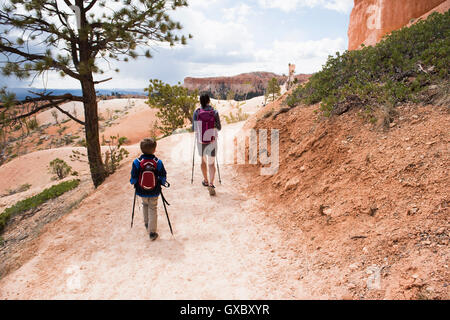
(147, 174)
(207, 119)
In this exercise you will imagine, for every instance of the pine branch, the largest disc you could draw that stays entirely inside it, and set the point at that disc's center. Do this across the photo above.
(34, 57)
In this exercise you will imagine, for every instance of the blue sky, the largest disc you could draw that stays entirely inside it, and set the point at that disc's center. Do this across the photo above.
(232, 37)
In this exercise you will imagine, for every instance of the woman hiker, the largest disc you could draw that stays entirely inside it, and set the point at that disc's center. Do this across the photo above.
(206, 123)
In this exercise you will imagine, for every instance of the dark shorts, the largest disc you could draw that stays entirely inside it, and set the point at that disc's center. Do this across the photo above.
(207, 149)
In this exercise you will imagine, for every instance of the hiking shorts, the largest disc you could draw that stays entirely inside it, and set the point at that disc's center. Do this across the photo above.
(207, 149)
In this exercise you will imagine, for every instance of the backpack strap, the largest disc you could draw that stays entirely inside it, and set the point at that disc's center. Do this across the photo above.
(196, 113)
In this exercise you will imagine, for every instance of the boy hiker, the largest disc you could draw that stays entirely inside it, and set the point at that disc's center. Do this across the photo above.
(206, 122)
(147, 176)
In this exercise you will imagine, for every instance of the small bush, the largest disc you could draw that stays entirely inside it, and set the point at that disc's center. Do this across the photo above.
(153, 132)
(55, 116)
(21, 188)
(236, 117)
(32, 124)
(81, 143)
(60, 168)
(116, 153)
(61, 130)
(33, 202)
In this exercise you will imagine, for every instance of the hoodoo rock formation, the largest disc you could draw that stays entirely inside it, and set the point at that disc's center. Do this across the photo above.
(370, 20)
(243, 85)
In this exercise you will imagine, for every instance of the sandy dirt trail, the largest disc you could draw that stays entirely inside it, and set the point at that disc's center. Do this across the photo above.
(222, 247)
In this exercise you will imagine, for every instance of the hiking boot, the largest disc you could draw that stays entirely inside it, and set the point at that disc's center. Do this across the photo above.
(212, 190)
(146, 225)
(153, 236)
(205, 183)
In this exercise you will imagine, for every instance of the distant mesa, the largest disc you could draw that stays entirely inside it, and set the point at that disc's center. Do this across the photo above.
(247, 85)
(370, 20)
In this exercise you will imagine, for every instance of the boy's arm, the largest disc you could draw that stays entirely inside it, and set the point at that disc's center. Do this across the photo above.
(162, 174)
(134, 173)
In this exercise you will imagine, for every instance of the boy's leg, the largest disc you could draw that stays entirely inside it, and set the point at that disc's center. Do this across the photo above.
(145, 210)
(152, 214)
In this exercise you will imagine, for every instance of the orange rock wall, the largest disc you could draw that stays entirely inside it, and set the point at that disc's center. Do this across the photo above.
(370, 20)
(219, 86)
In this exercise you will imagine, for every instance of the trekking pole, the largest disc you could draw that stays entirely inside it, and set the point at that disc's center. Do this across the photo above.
(193, 159)
(132, 214)
(165, 208)
(218, 170)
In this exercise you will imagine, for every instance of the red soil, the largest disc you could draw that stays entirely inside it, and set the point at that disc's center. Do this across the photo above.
(354, 200)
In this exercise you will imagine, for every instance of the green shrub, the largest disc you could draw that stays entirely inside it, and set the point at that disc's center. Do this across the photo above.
(394, 71)
(61, 130)
(81, 143)
(32, 124)
(60, 168)
(34, 201)
(115, 154)
(175, 104)
(236, 117)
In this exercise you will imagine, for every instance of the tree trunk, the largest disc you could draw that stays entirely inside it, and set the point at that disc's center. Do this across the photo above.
(98, 172)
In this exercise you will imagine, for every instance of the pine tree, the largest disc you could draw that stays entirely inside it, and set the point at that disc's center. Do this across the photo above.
(37, 37)
(175, 104)
(273, 88)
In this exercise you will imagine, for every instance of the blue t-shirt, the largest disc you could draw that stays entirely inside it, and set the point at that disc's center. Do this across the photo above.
(160, 172)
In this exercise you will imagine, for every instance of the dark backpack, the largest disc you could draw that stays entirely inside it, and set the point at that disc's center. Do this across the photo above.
(208, 122)
(148, 176)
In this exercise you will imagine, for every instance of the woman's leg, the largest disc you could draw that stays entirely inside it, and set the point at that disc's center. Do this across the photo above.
(204, 169)
(212, 169)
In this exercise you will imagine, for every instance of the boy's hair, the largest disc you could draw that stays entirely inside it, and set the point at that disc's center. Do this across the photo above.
(204, 100)
(148, 145)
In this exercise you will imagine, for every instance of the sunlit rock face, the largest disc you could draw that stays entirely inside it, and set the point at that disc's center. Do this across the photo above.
(246, 84)
(370, 20)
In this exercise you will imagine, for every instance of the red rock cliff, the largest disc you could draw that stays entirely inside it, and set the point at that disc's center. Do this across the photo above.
(370, 20)
(253, 83)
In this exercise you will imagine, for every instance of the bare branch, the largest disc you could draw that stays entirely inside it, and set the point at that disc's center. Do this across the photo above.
(43, 97)
(104, 80)
(89, 7)
(70, 115)
(53, 102)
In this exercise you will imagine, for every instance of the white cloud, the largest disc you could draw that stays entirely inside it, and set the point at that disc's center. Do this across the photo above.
(229, 38)
(308, 56)
(343, 6)
(214, 38)
(239, 13)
